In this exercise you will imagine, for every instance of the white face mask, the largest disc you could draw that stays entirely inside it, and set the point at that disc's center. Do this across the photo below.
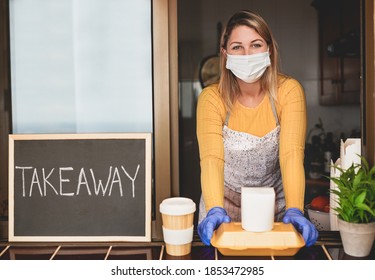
(248, 68)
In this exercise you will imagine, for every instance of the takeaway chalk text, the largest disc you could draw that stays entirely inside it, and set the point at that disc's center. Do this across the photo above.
(36, 180)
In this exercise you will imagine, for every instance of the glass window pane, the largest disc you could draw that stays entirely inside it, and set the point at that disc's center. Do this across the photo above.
(81, 66)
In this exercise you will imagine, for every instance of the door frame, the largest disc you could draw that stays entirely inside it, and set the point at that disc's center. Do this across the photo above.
(165, 67)
(368, 90)
(165, 59)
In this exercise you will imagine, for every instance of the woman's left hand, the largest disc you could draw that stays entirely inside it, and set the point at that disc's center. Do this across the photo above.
(303, 225)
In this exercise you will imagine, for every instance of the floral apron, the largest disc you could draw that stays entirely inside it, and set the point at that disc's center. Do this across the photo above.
(250, 161)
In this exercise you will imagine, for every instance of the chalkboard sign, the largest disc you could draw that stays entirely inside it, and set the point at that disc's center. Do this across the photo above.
(80, 187)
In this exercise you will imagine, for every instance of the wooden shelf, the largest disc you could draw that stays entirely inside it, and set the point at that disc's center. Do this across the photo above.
(317, 183)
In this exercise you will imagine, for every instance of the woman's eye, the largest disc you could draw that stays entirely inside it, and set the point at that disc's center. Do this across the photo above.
(235, 48)
(256, 45)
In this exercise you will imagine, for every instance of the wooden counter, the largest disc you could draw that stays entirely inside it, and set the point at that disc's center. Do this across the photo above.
(328, 247)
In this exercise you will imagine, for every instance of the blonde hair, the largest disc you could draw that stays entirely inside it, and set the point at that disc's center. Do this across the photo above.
(228, 86)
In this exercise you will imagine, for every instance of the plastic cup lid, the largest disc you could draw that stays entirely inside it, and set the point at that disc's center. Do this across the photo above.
(177, 206)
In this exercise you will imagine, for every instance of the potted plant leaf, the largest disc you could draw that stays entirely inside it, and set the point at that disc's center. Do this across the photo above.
(355, 195)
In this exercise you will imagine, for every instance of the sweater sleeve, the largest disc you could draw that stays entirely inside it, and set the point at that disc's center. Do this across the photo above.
(210, 115)
(292, 144)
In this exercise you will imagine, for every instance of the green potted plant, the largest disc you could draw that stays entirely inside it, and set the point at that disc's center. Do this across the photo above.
(355, 196)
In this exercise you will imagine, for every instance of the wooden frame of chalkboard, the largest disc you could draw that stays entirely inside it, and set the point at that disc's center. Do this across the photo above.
(80, 187)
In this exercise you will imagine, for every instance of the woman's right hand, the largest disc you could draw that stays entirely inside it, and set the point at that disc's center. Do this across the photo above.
(215, 217)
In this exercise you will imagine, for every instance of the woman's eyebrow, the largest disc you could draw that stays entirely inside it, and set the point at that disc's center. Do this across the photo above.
(235, 42)
(253, 41)
(261, 40)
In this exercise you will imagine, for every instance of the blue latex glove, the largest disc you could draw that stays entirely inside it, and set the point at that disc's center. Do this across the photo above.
(215, 217)
(302, 225)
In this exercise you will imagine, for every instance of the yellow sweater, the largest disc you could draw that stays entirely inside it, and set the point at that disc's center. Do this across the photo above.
(291, 110)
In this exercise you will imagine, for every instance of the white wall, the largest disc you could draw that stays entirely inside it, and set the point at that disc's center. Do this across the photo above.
(294, 24)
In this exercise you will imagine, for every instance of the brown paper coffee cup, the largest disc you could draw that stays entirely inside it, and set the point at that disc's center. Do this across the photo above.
(178, 216)
(177, 222)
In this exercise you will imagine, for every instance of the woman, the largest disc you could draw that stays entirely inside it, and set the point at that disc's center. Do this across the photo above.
(251, 129)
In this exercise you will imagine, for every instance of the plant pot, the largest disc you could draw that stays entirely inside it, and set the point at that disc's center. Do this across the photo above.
(357, 239)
